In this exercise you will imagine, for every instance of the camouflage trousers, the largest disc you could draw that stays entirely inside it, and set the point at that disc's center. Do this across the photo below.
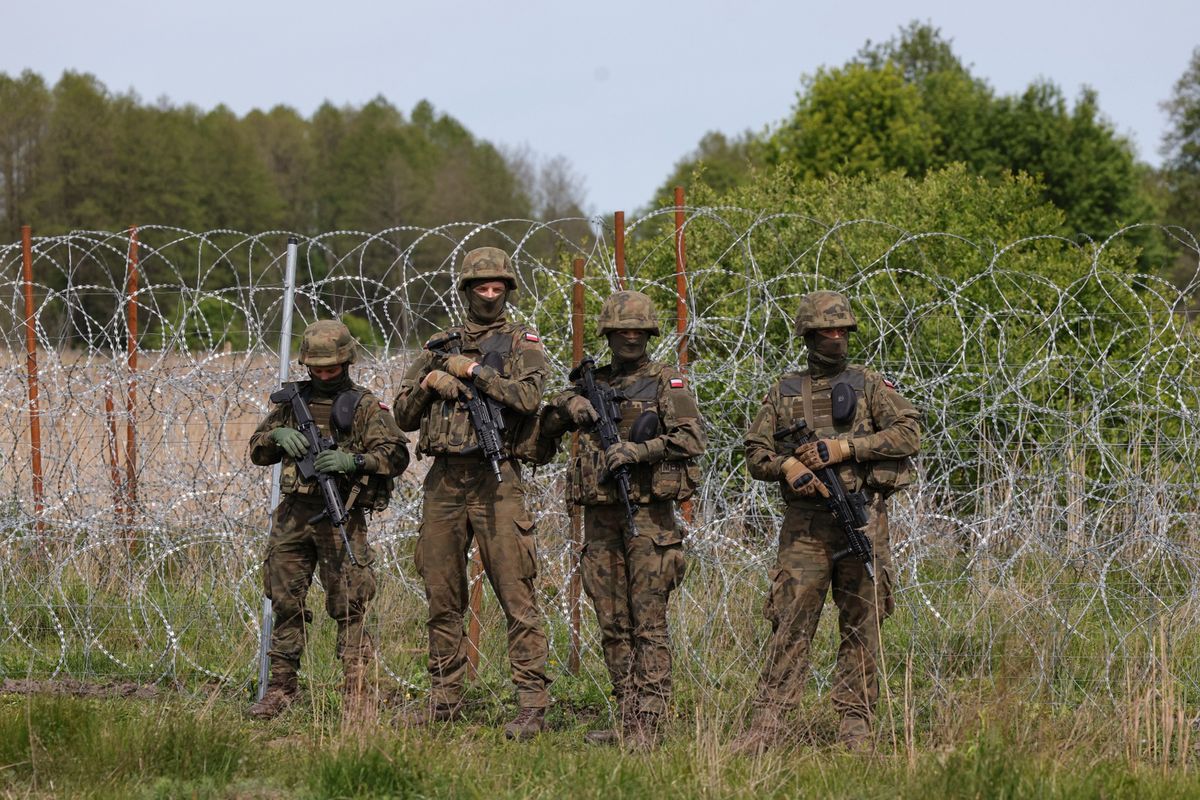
(464, 502)
(802, 576)
(295, 549)
(629, 582)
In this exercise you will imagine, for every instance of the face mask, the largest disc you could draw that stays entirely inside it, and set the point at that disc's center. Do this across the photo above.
(627, 348)
(485, 310)
(827, 355)
(332, 387)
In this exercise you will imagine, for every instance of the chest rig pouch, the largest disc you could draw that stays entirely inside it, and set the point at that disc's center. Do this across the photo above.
(446, 427)
(641, 420)
(814, 401)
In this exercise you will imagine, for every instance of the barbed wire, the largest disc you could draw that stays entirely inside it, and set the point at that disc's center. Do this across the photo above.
(1053, 520)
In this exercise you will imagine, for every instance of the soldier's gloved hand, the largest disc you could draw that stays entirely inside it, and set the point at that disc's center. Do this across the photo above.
(581, 412)
(461, 366)
(624, 453)
(334, 461)
(802, 479)
(823, 452)
(442, 383)
(290, 440)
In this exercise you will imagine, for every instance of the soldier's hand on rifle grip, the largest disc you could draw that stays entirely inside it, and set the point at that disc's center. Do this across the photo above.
(823, 452)
(802, 479)
(290, 440)
(335, 461)
(461, 366)
(581, 412)
(442, 383)
(622, 454)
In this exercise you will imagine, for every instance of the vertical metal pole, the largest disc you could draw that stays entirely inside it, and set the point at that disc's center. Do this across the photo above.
(35, 421)
(573, 591)
(680, 279)
(114, 469)
(285, 360)
(681, 303)
(619, 240)
(131, 317)
(474, 629)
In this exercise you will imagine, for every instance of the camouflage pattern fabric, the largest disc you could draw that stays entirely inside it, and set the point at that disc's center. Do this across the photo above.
(627, 311)
(630, 580)
(445, 427)
(463, 502)
(824, 310)
(883, 432)
(487, 263)
(297, 547)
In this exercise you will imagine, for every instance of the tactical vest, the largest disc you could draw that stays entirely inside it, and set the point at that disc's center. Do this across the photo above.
(810, 398)
(367, 492)
(664, 480)
(446, 426)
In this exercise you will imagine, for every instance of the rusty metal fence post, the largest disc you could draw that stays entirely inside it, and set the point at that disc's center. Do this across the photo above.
(31, 369)
(681, 317)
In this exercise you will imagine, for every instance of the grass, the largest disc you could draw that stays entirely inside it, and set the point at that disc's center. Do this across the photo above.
(205, 748)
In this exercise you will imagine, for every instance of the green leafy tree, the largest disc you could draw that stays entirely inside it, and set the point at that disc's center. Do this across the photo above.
(1181, 166)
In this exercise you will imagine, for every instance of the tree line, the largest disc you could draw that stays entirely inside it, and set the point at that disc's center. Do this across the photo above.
(77, 156)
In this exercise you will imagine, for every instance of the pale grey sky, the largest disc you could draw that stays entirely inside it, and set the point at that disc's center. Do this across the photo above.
(622, 89)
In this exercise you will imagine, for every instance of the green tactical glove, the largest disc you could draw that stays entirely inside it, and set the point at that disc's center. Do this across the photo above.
(623, 453)
(335, 461)
(290, 440)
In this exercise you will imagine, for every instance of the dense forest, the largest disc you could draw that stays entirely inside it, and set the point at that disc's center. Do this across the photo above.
(74, 155)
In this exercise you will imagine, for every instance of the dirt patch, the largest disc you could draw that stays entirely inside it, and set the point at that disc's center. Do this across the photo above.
(74, 688)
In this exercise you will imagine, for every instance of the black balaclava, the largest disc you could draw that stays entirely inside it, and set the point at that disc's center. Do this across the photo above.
(331, 388)
(483, 311)
(827, 356)
(626, 353)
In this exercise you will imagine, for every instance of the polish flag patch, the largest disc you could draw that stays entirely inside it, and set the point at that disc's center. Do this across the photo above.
(889, 383)
(384, 406)
(532, 337)
(676, 383)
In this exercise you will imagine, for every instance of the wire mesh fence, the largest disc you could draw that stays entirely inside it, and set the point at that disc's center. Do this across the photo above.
(1049, 542)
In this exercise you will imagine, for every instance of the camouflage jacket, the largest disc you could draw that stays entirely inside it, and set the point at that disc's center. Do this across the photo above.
(671, 472)
(883, 430)
(373, 433)
(445, 425)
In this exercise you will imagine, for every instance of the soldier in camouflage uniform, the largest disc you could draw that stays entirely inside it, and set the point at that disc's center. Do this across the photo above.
(465, 502)
(868, 434)
(630, 578)
(370, 454)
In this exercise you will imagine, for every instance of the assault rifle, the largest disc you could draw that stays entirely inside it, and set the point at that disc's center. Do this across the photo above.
(335, 509)
(850, 508)
(487, 414)
(604, 400)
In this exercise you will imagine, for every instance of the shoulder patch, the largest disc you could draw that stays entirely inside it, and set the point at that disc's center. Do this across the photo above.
(384, 406)
(888, 382)
(530, 336)
(676, 383)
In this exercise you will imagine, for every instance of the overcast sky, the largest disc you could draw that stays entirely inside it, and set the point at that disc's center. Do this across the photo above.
(622, 89)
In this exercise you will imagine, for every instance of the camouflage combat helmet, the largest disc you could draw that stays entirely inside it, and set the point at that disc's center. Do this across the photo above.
(628, 311)
(327, 343)
(824, 310)
(487, 264)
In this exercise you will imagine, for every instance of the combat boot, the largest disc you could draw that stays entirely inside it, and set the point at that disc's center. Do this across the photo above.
(528, 723)
(764, 733)
(425, 713)
(854, 733)
(282, 689)
(645, 734)
(359, 700)
(621, 726)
